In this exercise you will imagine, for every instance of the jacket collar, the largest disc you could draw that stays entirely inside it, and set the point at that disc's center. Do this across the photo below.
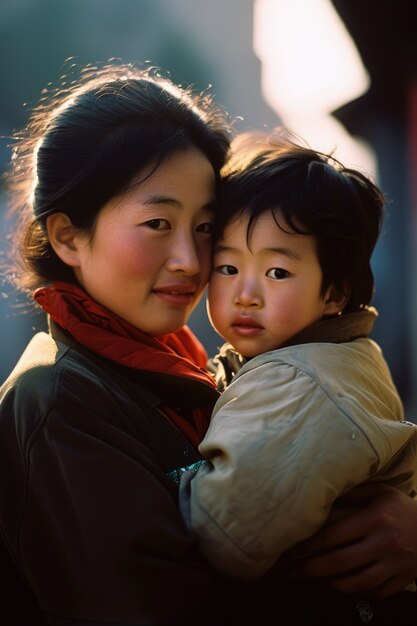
(338, 329)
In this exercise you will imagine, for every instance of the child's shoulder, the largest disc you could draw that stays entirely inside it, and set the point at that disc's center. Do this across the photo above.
(324, 361)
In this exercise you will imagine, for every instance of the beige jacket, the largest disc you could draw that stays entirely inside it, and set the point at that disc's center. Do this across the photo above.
(297, 428)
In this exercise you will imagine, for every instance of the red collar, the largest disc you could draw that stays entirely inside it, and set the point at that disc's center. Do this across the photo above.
(103, 332)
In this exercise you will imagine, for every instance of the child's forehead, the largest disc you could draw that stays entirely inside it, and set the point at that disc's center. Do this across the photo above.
(250, 220)
(265, 241)
(267, 225)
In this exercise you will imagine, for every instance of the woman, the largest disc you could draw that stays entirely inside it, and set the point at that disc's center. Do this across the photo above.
(118, 178)
(98, 412)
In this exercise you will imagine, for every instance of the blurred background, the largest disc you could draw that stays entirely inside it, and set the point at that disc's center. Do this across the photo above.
(342, 74)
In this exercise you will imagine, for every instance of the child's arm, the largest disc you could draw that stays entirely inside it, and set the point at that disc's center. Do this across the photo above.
(281, 450)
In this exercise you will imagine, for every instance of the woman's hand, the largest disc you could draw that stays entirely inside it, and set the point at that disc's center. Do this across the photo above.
(373, 550)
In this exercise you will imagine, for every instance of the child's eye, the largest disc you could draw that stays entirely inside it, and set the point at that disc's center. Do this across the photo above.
(206, 228)
(158, 224)
(277, 273)
(228, 270)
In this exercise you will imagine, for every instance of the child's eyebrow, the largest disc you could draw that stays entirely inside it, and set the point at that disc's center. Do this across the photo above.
(284, 251)
(291, 254)
(222, 248)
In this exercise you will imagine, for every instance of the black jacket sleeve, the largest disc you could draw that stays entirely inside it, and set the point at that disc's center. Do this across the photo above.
(93, 523)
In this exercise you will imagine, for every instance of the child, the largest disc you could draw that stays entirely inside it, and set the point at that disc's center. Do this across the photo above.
(310, 409)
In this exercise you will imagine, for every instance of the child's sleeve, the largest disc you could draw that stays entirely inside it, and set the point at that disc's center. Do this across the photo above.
(279, 451)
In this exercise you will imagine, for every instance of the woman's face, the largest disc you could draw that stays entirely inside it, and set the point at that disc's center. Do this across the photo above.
(150, 256)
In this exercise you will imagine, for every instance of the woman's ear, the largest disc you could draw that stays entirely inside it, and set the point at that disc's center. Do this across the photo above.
(335, 300)
(63, 237)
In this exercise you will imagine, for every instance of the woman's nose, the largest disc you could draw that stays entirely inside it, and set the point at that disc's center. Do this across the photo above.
(183, 256)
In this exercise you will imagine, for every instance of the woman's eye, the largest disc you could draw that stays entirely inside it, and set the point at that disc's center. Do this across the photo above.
(206, 228)
(158, 224)
(228, 270)
(277, 273)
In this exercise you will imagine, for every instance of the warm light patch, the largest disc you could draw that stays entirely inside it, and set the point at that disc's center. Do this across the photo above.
(310, 67)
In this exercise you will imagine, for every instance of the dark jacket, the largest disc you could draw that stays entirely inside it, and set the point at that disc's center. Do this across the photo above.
(88, 516)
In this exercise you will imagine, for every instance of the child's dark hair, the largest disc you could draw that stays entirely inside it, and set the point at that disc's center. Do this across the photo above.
(84, 145)
(316, 195)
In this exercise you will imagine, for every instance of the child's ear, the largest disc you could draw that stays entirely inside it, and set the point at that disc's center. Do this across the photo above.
(63, 237)
(335, 300)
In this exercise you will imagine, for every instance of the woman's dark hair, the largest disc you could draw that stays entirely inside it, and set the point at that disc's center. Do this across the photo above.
(83, 146)
(315, 195)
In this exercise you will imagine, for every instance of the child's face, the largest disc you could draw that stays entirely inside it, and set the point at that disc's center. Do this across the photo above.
(260, 297)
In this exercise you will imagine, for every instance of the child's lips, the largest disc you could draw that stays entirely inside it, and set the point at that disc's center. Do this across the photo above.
(245, 325)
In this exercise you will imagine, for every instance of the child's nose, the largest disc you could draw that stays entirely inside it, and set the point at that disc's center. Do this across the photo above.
(248, 296)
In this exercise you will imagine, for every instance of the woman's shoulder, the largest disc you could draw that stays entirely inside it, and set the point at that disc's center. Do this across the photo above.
(55, 386)
(53, 372)
(43, 362)
(53, 377)
(37, 365)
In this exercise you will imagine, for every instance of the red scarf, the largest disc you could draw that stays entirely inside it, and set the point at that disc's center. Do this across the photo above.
(103, 332)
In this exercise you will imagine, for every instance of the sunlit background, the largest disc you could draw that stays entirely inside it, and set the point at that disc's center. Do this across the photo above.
(341, 74)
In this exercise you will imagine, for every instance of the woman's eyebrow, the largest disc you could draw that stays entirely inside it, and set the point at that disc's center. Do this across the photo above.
(160, 199)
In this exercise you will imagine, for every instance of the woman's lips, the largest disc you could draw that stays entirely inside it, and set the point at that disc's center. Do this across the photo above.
(178, 295)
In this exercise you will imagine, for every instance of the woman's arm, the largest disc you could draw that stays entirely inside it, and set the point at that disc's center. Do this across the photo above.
(373, 550)
(88, 510)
